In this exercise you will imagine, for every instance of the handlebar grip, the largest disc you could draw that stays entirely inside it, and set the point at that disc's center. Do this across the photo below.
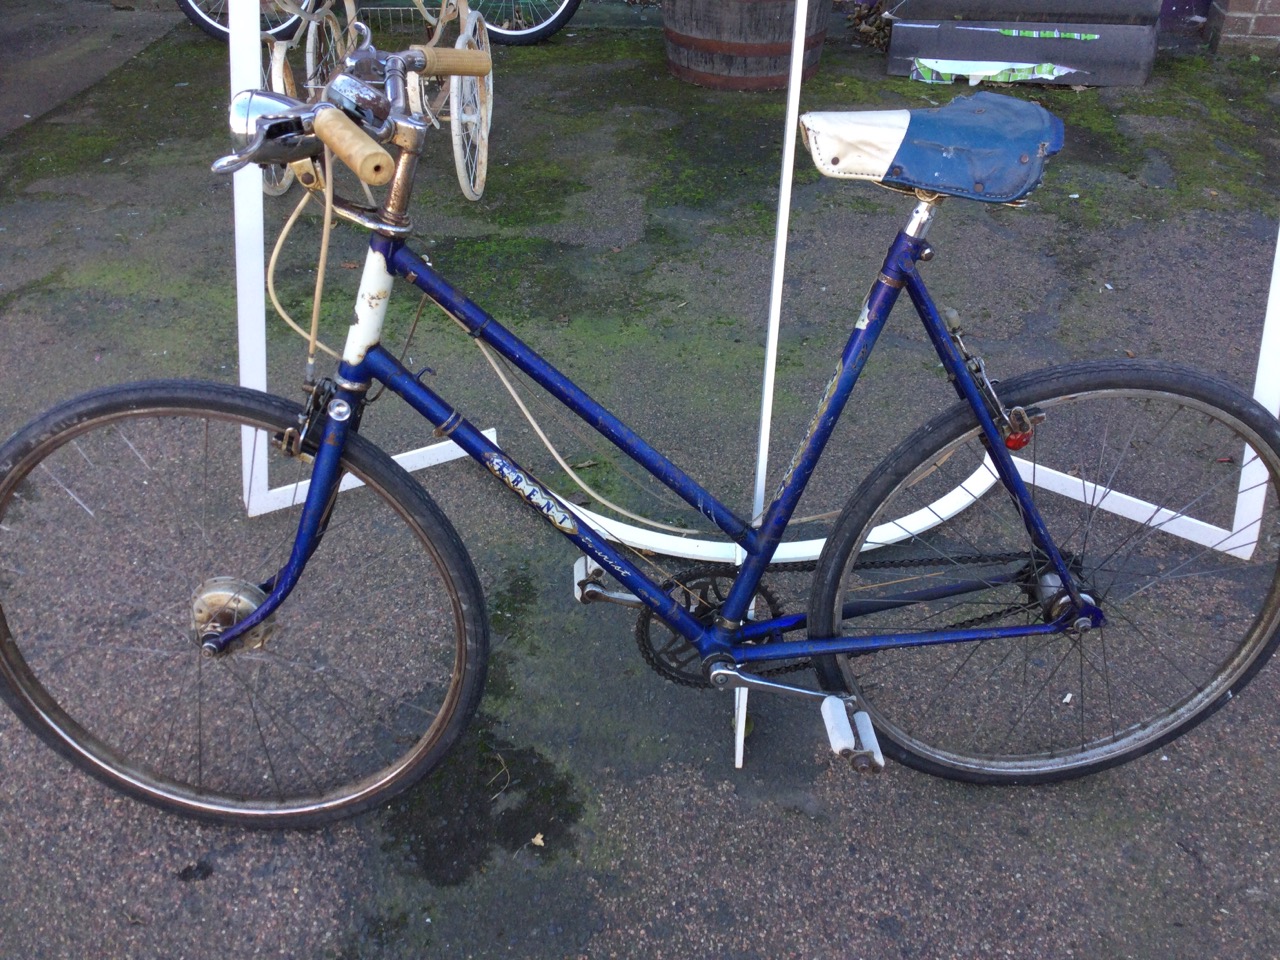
(450, 61)
(359, 151)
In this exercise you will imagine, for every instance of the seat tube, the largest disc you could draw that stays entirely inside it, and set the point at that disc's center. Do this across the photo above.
(899, 264)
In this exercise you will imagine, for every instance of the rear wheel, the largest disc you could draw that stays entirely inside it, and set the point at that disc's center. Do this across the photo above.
(1141, 473)
(124, 538)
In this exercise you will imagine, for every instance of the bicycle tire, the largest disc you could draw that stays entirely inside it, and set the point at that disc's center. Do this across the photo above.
(525, 22)
(277, 76)
(123, 534)
(325, 49)
(1187, 624)
(211, 17)
(277, 178)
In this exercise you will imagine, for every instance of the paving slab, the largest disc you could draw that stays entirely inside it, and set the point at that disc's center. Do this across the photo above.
(54, 49)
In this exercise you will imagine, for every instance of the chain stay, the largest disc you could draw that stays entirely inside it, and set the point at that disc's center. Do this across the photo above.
(670, 660)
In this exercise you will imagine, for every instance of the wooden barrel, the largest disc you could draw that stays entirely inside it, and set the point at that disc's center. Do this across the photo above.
(739, 44)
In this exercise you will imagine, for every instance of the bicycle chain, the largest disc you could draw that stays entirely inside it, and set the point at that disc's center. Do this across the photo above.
(671, 669)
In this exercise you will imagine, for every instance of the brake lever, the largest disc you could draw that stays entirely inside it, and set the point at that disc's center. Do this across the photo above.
(235, 161)
(272, 145)
(271, 128)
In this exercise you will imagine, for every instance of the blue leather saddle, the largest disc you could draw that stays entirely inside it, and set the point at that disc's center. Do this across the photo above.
(986, 147)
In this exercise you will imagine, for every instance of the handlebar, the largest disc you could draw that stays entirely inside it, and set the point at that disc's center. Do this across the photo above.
(450, 62)
(359, 151)
(353, 117)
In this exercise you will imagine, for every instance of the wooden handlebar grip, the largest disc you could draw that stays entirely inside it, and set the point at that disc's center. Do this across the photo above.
(359, 151)
(450, 61)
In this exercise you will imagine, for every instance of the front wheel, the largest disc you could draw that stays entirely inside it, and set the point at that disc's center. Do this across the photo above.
(1158, 486)
(124, 537)
(524, 22)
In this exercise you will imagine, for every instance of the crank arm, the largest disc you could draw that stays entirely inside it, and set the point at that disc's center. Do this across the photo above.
(725, 676)
(861, 748)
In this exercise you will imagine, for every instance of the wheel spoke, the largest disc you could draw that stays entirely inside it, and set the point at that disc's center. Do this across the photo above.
(1185, 621)
(357, 684)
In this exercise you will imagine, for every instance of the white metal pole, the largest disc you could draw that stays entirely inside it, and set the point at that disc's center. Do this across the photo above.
(1266, 387)
(245, 48)
(775, 313)
(1266, 390)
(780, 250)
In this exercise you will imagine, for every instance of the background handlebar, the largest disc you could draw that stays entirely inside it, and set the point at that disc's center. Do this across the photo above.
(450, 61)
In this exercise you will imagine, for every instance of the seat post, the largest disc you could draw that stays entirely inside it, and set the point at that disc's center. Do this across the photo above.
(922, 216)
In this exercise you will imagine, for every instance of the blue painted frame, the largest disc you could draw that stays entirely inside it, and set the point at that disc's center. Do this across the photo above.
(731, 634)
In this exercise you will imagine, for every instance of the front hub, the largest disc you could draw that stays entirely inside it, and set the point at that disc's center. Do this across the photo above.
(220, 603)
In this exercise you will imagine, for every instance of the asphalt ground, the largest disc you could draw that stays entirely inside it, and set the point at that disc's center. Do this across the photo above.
(625, 229)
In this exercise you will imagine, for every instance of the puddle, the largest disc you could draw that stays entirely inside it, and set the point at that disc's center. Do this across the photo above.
(488, 796)
(510, 606)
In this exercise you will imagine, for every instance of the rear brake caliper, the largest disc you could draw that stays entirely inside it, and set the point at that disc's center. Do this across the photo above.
(1016, 424)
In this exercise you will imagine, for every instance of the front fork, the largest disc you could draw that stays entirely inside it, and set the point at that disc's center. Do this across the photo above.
(339, 420)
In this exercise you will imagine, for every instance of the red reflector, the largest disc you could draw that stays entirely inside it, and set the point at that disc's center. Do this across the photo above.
(1016, 441)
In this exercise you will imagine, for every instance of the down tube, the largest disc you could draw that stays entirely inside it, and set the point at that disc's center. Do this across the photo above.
(482, 326)
(382, 366)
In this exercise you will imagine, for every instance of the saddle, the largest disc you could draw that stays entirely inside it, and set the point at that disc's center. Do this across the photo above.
(986, 147)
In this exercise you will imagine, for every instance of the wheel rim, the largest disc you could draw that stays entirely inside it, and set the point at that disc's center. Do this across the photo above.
(273, 22)
(519, 17)
(470, 114)
(332, 705)
(326, 47)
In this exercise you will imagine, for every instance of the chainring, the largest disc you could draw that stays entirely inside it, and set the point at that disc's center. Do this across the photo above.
(701, 591)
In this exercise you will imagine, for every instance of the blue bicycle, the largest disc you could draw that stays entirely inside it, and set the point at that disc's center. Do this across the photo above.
(1059, 574)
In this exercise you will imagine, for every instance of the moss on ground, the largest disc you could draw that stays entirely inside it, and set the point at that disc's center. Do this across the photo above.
(1200, 135)
(171, 86)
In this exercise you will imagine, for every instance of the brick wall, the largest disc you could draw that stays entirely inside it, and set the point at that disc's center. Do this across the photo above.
(1245, 26)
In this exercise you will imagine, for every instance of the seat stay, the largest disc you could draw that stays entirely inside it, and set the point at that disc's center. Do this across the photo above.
(1002, 458)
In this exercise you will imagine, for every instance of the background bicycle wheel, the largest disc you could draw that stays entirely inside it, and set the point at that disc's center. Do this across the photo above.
(211, 17)
(520, 22)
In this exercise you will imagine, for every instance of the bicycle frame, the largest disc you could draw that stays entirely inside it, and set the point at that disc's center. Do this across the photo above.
(365, 361)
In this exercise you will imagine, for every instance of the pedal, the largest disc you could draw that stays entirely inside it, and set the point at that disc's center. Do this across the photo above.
(588, 586)
(863, 750)
(870, 745)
